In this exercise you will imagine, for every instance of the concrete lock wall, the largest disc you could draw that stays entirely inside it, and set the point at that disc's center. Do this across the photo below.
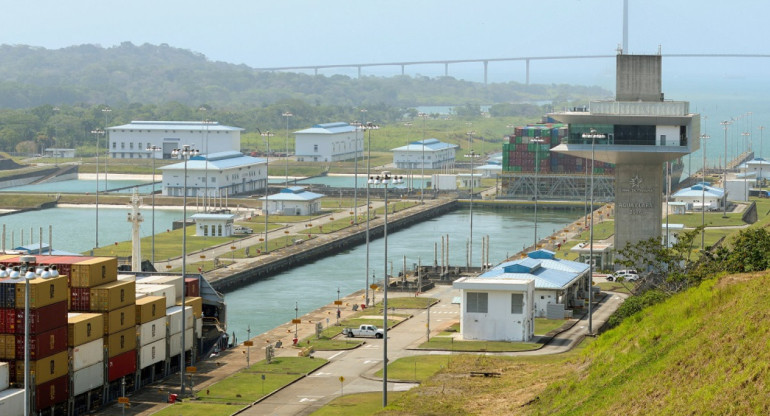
(638, 199)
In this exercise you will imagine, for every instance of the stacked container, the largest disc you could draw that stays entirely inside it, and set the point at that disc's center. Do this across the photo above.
(152, 329)
(175, 329)
(11, 400)
(116, 300)
(86, 351)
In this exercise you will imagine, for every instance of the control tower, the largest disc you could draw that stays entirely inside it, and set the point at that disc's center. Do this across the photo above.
(638, 132)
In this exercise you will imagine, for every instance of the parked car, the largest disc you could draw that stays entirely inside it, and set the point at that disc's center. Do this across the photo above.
(364, 331)
(626, 274)
(239, 229)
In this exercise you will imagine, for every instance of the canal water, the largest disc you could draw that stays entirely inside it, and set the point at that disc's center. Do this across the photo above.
(269, 303)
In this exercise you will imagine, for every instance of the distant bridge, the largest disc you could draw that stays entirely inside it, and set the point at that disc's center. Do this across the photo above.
(485, 62)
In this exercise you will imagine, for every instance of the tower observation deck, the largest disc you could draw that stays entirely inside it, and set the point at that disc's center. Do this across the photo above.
(638, 132)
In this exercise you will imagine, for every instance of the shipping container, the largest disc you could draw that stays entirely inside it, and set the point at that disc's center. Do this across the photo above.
(175, 342)
(119, 319)
(192, 286)
(42, 292)
(121, 365)
(51, 393)
(8, 293)
(199, 327)
(43, 344)
(5, 377)
(80, 299)
(152, 353)
(7, 321)
(150, 308)
(84, 328)
(166, 291)
(94, 272)
(112, 296)
(12, 402)
(46, 369)
(172, 280)
(120, 342)
(88, 354)
(195, 303)
(175, 319)
(152, 331)
(87, 379)
(43, 319)
(7, 346)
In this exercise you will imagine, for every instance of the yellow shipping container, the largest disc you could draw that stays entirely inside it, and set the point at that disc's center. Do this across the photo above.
(195, 303)
(112, 296)
(46, 369)
(84, 328)
(7, 346)
(120, 342)
(43, 292)
(94, 272)
(150, 308)
(119, 319)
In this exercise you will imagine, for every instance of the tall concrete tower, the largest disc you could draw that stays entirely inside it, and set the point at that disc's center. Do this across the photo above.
(638, 132)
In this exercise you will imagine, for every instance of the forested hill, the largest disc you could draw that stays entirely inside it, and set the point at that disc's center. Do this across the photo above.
(155, 74)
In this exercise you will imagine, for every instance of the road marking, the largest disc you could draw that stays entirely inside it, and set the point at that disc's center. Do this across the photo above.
(320, 374)
(309, 399)
(335, 355)
(371, 361)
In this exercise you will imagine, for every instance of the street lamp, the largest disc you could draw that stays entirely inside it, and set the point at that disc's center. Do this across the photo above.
(703, 138)
(746, 135)
(593, 135)
(422, 164)
(472, 155)
(267, 135)
(106, 111)
(369, 127)
(287, 114)
(537, 142)
(761, 161)
(186, 152)
(97, 133)
(153, 149)
(385, 179)
(724, 182)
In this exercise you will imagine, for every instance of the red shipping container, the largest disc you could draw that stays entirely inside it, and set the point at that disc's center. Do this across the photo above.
(192, 287)
(43, 319)
(51, 393)
(80, 299)
(43, 345)
(7, 321)
(121, 365)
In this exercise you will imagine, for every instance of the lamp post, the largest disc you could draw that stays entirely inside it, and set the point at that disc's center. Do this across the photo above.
(287, 114)
(761, 161)
(368, 127)
(153, 149)
(724, 182)
(267, 135)
(472, 155)
(746, 136)
(106, 111)
(703, 138)
(385, 179)
(537, 142)
(422, 163)
(593, 135)
(186, 152)
(97, 133)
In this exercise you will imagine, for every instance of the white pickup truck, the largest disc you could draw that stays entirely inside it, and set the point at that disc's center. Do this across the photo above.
(364, 331)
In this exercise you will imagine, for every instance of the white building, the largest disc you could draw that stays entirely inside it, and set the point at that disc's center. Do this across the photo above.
(57, 152)
(700, 195)
(294, 200)
(131, 140)
(496, 309)
(329, 142)
(226, 173)
(213, 225)
(428, 154)
(757, 168)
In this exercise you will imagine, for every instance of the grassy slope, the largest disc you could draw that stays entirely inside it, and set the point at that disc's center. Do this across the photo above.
(702, 352)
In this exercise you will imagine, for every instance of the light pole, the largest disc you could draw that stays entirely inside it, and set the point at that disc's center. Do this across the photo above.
(422, 163)
(746, 136)
(385, 179)
(761, 161)
(153, 149)
(537, 142)
(593, 135)
(106, 111)
(724, 182)
(186, 152)
(703, 138)
(287, 114)
(267, 135)
(368, 127)
(97, 133)
(472, 155)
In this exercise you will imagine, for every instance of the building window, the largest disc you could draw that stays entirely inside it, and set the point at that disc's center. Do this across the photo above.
(122, 145)
(131, 145)
(315, 148)
(517, 303)
(476, 302)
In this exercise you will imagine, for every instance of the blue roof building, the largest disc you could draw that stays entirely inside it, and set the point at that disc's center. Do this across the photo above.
(700, 196)
(328, 142)
(427, 154)
(294, 200)
(217, 175)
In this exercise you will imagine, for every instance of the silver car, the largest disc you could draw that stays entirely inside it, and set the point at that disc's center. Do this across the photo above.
(626, 274)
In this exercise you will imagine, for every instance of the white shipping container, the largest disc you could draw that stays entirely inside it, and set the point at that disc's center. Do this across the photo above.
(175, 281)
(152, 331)
(198, 327)
(152, 353)
(12, 402)
(140, 295)
(87, 354)
(167, 291)
(87, 379)
(175, 342)
(174, 315)
(126, 277)
(4, 377)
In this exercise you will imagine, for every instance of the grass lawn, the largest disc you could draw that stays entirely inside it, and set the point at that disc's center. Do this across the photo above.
(359, 404)
(544, 326)
(416, 368)
(449, 344)
(712, 219)
(196, 408)
(617, 287)
(408, 302)
(167, 245)
(602, 231)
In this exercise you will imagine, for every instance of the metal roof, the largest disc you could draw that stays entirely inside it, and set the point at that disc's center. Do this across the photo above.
(216, 161)
(429, 145)
(293, 193)
(543, 267)
(328, 128)
(201, 216)
(698, 190)
(175, 125)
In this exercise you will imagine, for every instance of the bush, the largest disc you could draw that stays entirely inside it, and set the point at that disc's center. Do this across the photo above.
(635, 304)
